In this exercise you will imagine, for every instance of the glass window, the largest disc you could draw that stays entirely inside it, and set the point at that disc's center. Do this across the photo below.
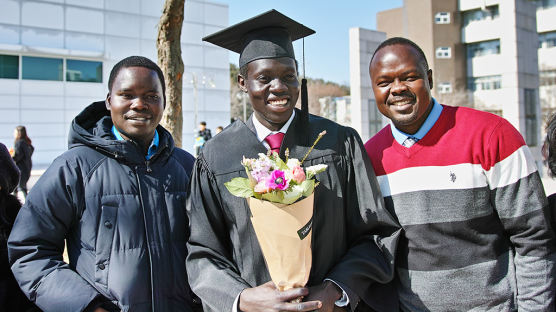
(547, 40)
(84, 71)
(442, 18)
(42, 68)
(375, 118)
(443, 52)
(9, 66)
(483, 48)
(531, 117)
(547, 77)
(489, 13)
(546, 4)
(484, 83)
(445, 87)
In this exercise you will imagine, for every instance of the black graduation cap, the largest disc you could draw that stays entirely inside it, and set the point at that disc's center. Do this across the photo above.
(268, 35)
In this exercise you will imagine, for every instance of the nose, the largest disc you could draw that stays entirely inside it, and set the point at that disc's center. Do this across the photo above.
(138, 103)
(398, 87)
(277, 86)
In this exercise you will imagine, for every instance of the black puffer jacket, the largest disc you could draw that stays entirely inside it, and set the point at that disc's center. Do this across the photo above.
(124, 219)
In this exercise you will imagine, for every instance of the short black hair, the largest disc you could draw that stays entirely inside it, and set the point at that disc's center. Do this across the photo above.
(203, 123)
(404, 41)
(549, 148)
(137, 61)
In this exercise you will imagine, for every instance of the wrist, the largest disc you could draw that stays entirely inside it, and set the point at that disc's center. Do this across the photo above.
(334, 290)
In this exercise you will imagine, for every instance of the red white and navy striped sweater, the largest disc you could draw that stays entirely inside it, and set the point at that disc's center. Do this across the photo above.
(475, 216)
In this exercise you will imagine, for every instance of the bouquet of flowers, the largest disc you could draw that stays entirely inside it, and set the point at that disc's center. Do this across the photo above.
(282, 221)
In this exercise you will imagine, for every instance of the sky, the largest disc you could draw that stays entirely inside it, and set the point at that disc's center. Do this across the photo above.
(327, 51)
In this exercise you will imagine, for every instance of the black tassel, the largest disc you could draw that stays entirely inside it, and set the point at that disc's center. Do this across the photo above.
(304, 98)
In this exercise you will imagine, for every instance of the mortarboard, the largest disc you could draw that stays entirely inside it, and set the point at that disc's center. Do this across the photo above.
(268, 35)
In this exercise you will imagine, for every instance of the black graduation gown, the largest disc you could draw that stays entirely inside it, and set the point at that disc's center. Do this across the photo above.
(354, 237)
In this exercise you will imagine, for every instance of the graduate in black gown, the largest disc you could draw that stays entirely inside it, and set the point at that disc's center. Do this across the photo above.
(354, 237)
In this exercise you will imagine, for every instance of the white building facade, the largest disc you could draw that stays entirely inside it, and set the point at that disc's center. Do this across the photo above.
(56, 56)
(365, 117)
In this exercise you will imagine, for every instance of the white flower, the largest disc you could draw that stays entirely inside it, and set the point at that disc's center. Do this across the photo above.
(293, 162)
(313, 170)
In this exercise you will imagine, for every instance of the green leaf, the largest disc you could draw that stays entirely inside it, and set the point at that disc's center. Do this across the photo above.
(293, 195)
(240, 187)
(308, 187)
(281, 164)
(275, 197)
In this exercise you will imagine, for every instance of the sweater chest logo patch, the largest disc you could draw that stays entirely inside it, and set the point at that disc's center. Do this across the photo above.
(453, 177)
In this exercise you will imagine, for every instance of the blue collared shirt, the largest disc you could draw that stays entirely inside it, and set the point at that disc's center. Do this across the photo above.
(152, 148)
(427, 125)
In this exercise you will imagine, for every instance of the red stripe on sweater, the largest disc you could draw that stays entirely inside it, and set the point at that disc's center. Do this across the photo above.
(461, 135)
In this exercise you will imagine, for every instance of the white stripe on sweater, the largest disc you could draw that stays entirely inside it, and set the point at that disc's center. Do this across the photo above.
(518, 165)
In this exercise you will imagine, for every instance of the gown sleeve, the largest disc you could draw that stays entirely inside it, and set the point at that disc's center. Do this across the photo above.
(212, 273)
(373, 234)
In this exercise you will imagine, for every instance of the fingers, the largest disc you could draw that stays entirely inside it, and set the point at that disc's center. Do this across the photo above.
(302, 306)
(294, 293)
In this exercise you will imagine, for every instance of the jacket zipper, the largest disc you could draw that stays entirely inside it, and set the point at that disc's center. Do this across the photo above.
(147, 236)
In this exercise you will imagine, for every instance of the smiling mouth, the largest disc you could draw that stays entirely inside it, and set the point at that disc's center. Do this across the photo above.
(278, 103)
(136, 118)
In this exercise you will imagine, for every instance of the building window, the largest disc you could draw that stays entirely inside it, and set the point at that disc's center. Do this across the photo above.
(375, 118)
(9, 66)
(442, 18)
(42, 68)
(483, 48)
(445, 87)
(84, 71)
(547, 40)
(489, 13)
(547, 77)
(531, 117)
(484, 83)
(443, 52)
(546, 4)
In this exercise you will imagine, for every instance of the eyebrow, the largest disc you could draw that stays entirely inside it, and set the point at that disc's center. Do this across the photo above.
(409, 71)
(129, 90)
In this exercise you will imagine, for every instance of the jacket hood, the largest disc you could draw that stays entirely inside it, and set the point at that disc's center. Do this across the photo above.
(93, 127)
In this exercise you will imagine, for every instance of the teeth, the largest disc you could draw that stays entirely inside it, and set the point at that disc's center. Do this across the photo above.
(278, 102)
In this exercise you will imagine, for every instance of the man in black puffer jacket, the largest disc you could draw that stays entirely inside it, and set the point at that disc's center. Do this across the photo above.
(11, 297)
(118, 197)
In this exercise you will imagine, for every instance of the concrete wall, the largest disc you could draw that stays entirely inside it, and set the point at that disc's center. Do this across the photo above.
(362, 44)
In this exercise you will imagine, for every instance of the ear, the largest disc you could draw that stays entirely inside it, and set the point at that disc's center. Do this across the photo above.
(107, 101)
(241, 83)
(429, 76)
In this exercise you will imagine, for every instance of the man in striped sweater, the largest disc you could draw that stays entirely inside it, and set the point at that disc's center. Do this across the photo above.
(464, 186)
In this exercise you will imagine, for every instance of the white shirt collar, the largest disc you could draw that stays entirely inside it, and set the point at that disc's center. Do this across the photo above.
(263, 132)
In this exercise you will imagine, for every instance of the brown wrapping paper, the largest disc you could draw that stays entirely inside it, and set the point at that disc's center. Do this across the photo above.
(284, 234)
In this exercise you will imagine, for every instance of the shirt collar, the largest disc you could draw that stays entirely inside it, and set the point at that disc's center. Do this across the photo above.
(434, 114)
(152, 148)
(263, 132)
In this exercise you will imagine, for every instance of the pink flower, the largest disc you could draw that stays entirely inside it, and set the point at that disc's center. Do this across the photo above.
(298, 174)
(261, 188)
(277, 180)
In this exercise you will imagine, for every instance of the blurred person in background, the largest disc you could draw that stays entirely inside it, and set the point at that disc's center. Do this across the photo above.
(218, 130)
(201, 137)
(22, 152)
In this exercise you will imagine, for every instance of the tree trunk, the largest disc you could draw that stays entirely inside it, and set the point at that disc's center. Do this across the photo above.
(168, 45)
